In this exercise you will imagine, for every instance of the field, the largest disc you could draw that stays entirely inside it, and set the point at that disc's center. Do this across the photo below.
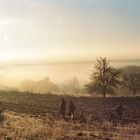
(28, 116)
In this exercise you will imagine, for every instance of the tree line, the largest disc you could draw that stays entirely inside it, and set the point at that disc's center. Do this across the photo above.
(105, 79)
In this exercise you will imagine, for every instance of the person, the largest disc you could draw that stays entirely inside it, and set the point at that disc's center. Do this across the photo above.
(71, 110)
(112, 117)
(1, 114)
(82, 118)
(119, 111)
(63, 107)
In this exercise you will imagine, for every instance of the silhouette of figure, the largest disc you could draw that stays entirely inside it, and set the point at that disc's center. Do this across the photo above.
(71, 110)
(112, 117)
(119, 111)
(63, 107)
(1, 114)
(82, 118)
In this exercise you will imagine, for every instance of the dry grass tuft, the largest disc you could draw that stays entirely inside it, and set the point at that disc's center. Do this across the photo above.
(24, 127)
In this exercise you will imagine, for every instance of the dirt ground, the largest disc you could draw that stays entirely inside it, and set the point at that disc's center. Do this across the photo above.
(27, 116)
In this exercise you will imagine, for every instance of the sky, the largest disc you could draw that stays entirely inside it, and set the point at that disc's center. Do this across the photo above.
(36, 31)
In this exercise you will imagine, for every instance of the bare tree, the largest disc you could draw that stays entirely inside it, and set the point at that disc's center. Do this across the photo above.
(104, 78)
(131, 81)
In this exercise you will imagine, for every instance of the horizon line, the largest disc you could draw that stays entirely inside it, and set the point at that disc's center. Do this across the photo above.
(63, 62)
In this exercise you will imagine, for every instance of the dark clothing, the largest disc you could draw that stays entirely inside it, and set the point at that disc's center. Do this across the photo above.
(63, 108)
(82, 119)
(71, 109)
(119, 111)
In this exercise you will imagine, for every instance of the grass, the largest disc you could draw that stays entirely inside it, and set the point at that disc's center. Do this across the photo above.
(34, 117)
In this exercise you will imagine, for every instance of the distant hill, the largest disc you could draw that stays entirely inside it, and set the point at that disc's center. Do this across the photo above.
(131, 69)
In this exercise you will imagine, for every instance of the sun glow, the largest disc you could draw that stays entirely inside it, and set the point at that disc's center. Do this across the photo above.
(38, 33)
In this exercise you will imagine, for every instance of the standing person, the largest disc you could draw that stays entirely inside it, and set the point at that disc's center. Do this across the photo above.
(71, 110)
(119, 111)
(1, 114)
(63, 107)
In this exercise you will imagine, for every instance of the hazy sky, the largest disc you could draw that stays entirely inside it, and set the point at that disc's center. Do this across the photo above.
(68, 30)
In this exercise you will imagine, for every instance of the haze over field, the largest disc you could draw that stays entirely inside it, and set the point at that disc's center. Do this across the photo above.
(61, 39)
(13, 75)
(69, 69)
